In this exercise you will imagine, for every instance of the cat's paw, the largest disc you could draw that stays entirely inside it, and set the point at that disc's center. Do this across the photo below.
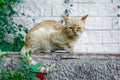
(70, 51)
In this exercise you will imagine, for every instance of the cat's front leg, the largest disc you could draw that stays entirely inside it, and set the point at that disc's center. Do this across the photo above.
(68, 49)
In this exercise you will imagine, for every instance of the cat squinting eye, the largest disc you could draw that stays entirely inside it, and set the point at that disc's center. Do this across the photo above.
(79, 28)
(71, 27)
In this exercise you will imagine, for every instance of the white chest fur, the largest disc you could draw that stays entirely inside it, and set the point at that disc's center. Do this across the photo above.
(39, 38)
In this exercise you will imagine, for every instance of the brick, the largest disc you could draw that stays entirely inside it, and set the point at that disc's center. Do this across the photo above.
(59, 9)
(110, 48)
(116, 1)
(119, 49)
(111, 36)
(79, 47)
(116, 9)
(46, 1)
(91, 37)
(119, 36)
(74, 9)
(98, 37)
(18, 8)
(96, 9)
(74, 0)
(37, 9)
(53, 1)
(96, 1)
(102, 48)
(116, 23)
(27, 22)
(99, 23)
(40, 19)
(95, 48)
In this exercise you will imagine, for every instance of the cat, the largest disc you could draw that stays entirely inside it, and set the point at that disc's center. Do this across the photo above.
(50, 35)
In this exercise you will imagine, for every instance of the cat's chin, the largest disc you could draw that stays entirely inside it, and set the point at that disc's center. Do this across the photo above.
(76, 36)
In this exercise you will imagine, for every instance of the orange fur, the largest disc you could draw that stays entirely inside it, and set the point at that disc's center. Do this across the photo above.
(51, 35)
(58, 35)
(52, 23)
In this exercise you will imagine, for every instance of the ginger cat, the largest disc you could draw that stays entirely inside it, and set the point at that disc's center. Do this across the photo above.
(50, 35)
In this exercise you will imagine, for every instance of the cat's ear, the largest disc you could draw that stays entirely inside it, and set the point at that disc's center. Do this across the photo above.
(65, 18)
(84, 18)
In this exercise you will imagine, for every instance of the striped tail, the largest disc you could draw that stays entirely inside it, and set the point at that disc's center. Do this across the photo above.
(31, 61)
(41, 68)
(46, 69)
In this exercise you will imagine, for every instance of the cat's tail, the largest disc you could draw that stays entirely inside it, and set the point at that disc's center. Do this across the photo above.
(46, 69)
(41, 68)
(25, 50)
(31, 61)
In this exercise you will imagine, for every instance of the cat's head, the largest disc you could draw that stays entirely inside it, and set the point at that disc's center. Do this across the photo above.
(73, 27)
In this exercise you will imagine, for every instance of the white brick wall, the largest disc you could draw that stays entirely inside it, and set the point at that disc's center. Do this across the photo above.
(102, 32)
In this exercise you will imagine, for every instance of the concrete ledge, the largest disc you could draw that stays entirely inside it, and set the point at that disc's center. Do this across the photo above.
(78, 66)
(66, 55)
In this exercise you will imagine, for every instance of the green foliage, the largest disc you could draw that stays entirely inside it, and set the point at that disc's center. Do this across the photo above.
(118, 6)
(2, 55)
(67, 11)
(25, 62)
(9, 27)
(21, 72)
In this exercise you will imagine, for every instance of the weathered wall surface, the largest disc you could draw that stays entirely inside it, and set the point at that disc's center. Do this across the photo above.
(102, 32)
(80, 67)
(83, 68)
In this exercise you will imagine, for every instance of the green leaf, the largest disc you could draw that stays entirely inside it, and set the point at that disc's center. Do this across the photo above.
(10, 27)
(71, 5)
(118, 15)
(0, 52)
(30, 52)
(34, 78)
(61, 21)
(1, 1)
(26, 30)
(118, 6)
(26, 66)
(30, 75)
(4, 71)
(23, 14)
(12, 73)
(33, 20)
(35, 67)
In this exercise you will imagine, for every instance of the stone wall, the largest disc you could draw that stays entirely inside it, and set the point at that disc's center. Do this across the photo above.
(78, 67)
(102, 32)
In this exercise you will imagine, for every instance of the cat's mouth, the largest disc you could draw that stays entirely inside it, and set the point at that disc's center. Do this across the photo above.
(76, 36)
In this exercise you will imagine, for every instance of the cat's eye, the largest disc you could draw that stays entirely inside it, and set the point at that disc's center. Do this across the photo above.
(70, 27)
(79, 28)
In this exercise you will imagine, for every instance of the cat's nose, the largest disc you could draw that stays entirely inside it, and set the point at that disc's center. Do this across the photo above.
(75, 34)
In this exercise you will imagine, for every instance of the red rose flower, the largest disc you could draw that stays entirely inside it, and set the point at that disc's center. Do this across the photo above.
(41, 76)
